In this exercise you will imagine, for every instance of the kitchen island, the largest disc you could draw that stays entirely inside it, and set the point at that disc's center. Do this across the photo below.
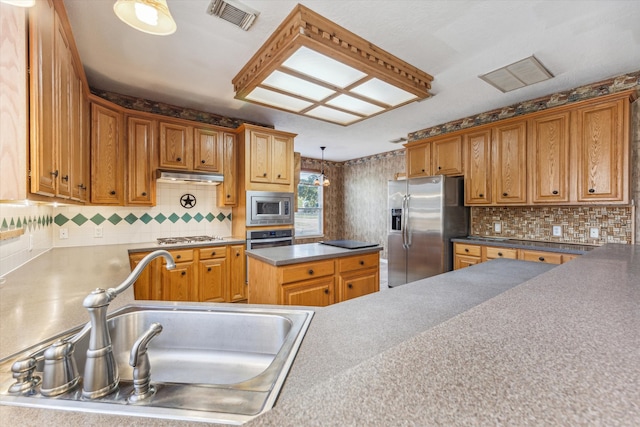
(312, 274)
(467, 347)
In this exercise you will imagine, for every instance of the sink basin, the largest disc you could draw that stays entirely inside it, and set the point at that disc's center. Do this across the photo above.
(216, 364)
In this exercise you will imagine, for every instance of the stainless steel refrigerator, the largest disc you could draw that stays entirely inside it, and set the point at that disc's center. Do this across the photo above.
(423, 215)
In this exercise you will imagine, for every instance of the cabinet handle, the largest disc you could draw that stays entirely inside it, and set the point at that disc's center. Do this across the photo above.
(591, 190)
(541, 258)
(112, 192)
(82, 187)
(439, 167)
(179, 159)
(350, 286)
(504, 194)
(237, 253)
(209, 269)
(144, 193)
(554, 192)
(422, 170)
(65, 178)
(361, 262)
(480, 195)
(326, 291)
(54, 173)
(466, 249)
(499, 253)
(228, 196)
(178, 256)
(264, 174)
(311, 272)
(203, 162)
(278, 175)
(183, 273)
(213, 253)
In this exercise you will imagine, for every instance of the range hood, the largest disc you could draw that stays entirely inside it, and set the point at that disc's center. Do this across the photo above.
(189, 177)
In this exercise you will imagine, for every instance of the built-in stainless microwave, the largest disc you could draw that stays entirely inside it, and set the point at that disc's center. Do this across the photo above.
(269, 208)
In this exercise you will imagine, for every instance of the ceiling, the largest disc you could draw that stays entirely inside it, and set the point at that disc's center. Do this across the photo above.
(579, 42)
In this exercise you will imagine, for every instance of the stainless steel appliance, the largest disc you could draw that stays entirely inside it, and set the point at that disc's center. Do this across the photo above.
(269, 238)
(269, 208)
(423, 215)
(187, 239)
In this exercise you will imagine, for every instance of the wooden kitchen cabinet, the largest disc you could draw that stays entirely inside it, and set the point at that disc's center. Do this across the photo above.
(477, 181)
(509, 164)
(448, 156)
(178, 284)
(466, 255)
(141, 160)
(315, 292)
(548, 157)
(227, 192)
(212, 275)
(490, 252)
(540, 256)
(601, 133)
(145, 288)
(176, 145)
(80, 124)
(107, 156)
(237, 273)
(418, 159)
(470, 254)
(358, 276)
(208, 150)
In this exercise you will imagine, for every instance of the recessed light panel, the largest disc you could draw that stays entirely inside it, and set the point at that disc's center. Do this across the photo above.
(356, 105)
(276, 99)
(323, 68)
(383, 92)
(288, 83)
(331, 115)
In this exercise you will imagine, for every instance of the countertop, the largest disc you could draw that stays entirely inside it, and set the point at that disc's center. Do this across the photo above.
(294, 254)
(567, 248)
(468, 347)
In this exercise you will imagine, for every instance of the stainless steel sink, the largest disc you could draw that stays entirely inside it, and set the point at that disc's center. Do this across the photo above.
(222, 364)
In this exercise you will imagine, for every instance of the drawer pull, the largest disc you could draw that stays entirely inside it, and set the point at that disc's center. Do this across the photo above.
(213, 253)
(555, 192)
(350, 286)
(326, 291)
(178, 256)
(209, 269)
(592, 190)
(541, 258)
(179, 159)
(499, 253)
(466, 249)
(311, 272)
(183, 273)
(361, 262)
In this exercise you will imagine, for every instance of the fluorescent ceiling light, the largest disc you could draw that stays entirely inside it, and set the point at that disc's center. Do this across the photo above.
(313, 67)
(519, 74)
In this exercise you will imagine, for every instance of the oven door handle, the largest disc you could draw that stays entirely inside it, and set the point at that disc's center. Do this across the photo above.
(275, 240)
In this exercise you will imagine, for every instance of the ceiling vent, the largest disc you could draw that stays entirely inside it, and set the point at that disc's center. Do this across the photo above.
(234, 12)
(519, 74)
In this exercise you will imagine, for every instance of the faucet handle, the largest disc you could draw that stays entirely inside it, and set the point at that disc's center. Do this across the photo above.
(23, 373)
(60, 373)
(142, 388)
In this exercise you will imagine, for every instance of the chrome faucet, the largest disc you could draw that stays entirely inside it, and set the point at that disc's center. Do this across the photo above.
(100, 370)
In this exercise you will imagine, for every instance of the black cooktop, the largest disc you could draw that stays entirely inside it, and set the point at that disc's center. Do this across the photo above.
(349, 244)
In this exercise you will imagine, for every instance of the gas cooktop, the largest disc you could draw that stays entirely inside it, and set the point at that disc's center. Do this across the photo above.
(188, 239)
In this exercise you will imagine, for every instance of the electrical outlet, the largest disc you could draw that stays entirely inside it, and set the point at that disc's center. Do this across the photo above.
(557, 231)
(497, 227)
(594, 232)
(64, 233)
(30, 242)
(97, 232)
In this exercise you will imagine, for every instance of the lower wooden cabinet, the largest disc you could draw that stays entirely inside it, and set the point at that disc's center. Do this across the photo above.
(466, 255)
(315, 283)
(211, 274)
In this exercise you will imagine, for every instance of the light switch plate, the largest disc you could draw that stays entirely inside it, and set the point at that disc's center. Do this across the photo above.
(594, 232)
(497, 227)
(557, 231)
(64, 233)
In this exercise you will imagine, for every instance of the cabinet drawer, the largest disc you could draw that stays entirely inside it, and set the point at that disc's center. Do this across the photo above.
(306, 271)
(541, 256)
(213, 252)
(356, 262)
(490, 252)
(181, 255)
(470, 250)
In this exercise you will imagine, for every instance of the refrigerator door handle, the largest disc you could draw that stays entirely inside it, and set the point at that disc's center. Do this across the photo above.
(407, 224)
(403, 220)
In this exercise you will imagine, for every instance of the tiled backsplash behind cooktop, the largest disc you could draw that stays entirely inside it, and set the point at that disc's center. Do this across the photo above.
(615, 223)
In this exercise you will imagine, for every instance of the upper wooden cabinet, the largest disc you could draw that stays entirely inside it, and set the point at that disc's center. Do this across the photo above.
(509, 163)
(107, 156)
(601, 134)
(477, 182)
(227, 192)
(549, 158)
(184, 146)
(208, 150)
(447, 156)
(266, 158)
(141, 160)
(418, 159)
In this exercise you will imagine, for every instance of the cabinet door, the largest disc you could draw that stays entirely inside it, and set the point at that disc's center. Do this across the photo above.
(141, 142)
(462, 261)
(145, 288)
(260, 157)
(176, 146)
(317, 292)
(447, 156)
(62, 73)
(281, 160)
(237, 284)
(419, 160)
(107, 155)
(178, 284)
(207, 153)
(602, 152)
(212, 278)
(477, 180)
(227, 191)
(42, 109)
(548, 146)
(79, 140)
(358, 283)
(509, 163)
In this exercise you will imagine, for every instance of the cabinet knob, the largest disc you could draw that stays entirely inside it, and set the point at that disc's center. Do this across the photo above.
(278, 175)
(183, 273)
(228, 196)
(554, 192)
(350, 286)
(144, 193)
(213, 253)
(422, 170)
(466, 249)
(203, 162)
(504, 194)
(480, 195)
(310, 271)
(361, 262)
(264, 174)
(209, 269)
(65, 178)
(54, 173)
(499, 253)
(541, 258)
(179, 159)
(591, 190)
(326, 291)
(112, 192)
(439, 167)
(82, 187)
(237, 253)
(178, 256)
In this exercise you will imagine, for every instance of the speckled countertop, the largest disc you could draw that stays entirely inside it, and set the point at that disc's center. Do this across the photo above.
(567, 248)
(466, 348)
(286, 255)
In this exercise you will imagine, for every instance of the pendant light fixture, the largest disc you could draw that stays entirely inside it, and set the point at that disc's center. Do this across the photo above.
(148, 16)
(322, 178)
(20, 3)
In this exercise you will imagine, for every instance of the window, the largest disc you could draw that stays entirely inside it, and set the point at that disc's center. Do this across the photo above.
(308, 218)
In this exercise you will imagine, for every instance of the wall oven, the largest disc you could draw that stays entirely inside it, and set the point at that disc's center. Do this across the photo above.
(269, 238)
(269, 208)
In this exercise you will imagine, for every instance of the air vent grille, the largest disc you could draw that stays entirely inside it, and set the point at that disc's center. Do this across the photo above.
(234, 12)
